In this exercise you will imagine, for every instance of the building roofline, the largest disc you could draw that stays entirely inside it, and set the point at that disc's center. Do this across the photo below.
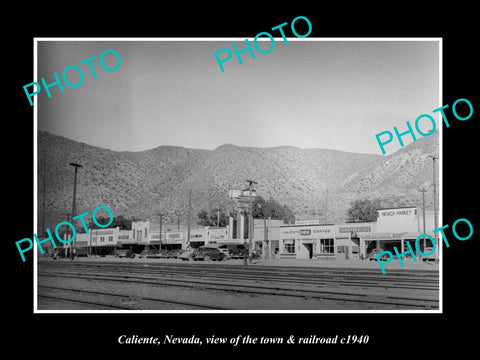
(399, 208)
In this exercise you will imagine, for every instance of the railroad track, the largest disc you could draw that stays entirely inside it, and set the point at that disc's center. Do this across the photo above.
(426, 280)
(97, 299)
(238, 280)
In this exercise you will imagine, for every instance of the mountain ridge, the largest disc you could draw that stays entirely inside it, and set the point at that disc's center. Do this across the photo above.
(142, 184)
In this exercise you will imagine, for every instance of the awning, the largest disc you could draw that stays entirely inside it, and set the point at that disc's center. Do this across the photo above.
(390, 236)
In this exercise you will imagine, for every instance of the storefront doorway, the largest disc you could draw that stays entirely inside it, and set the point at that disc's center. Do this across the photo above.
(309, 248)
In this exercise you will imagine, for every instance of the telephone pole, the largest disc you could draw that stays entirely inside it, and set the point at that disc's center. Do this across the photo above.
(435, 205)
(423, 211)
(250, 220)
(66, 233)
(43, 203)
(187, 242)
(160, 230)
(76, 166)
(326, 205)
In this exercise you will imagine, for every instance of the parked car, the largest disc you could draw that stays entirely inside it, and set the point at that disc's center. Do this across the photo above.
(149, 254)
(225, 252)
(126, 253)
(375, 252)
(430, 257)
(187, 255)
(238, 253)
(172, 254)
(81, 252)
(207, 253)
(233, 251)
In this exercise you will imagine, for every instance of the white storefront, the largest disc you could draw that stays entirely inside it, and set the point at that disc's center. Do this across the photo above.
(198, 237)
(217, 236)
(307, 242)
(397, 220)
(397, 226)
(350, 239)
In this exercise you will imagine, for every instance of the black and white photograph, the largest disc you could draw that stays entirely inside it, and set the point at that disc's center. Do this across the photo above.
(262, 187)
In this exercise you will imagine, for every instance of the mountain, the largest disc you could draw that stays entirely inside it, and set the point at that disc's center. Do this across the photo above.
(141, 184)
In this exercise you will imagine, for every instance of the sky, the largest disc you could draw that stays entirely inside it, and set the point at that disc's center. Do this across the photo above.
(307, 93)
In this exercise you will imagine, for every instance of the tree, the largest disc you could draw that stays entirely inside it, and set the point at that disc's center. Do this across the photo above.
(363, 210)
(120, 221)
(264, 209)
(206, 218)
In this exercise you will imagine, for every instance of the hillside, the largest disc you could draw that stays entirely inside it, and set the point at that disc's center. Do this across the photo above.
(141, 184)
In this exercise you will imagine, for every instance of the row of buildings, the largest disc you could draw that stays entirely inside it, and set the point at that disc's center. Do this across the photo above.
(272, 238)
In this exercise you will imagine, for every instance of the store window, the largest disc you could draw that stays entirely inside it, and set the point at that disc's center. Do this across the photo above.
(326, 246)
(289, 246)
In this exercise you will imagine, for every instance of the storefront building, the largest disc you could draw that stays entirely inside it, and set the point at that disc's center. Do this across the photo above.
(396, 226)
(272, 239)
(307, 242)
(350, 239)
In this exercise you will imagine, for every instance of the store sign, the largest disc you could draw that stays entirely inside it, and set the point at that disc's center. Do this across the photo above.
(355, 229)
(174, 236)
(217, 234)
(322, 230)
(314, 230)
(396, 212)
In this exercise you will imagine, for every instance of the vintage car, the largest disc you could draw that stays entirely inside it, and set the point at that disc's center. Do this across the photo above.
(124, 253)
(375, 252)
(207, 253)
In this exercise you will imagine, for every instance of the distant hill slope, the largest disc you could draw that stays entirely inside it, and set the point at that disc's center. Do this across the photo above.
(141, 184)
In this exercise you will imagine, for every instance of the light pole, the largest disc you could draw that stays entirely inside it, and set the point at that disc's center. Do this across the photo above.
(68, 220)
(76, 166)
(189, 215)
(43, 203)
(423, 211)
(250, 219)
(435, 205)
(160, 232)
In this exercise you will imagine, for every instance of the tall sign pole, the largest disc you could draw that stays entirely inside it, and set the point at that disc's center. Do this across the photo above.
(423, 211)
(187, 243)
(250, 219)
(435, 210)
(76, 166)
(160, 231)
(43, 204)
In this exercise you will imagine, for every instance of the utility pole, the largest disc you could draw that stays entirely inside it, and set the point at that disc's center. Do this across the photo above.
(73, 203)
(187, 242)
(423, 211)
(435, 219)
(250, 219)
(160, 230)
(68, 220)
(43, 205)
(326, 205)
